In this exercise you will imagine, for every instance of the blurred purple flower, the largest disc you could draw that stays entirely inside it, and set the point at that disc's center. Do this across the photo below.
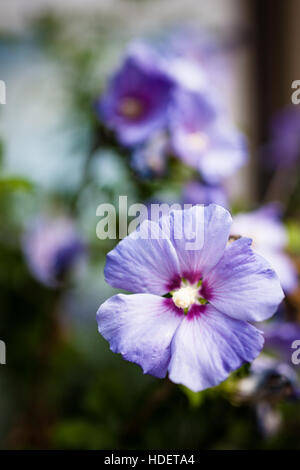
(269, 382)
(182, 69)
(269, 238)
(196, 59)
(279, 337)
(52, 246)
(190, 310)
(136, 102)
(202, 193)
(203, 138)
(149, 159)
(284, 146)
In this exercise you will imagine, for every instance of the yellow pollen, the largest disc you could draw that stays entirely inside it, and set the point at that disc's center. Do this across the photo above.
(185, 296)
(198, 141)
(131, 107)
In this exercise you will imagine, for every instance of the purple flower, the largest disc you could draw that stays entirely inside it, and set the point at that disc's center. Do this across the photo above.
(190, 308)
(279, 337)
(194, 60)
(269, 239)
(284, 146)
(269, 380)
(204, 138)
(203, 193)
(149, 159)
(52, 246)
(268, 383)
(136, 102)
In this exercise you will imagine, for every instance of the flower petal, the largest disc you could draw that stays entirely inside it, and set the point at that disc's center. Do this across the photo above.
(284, 268)
(140, 327)
(263, 226)
(204, 231)
(243, 285)
(225, 156)
(145, 261)
(207, 347)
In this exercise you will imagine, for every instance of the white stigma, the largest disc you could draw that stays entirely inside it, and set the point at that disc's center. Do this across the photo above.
(185, 296)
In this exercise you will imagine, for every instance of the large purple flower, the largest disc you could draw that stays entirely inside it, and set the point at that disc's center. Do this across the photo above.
(190, 310)
(52, 246)
(204, 138)
(137, 99)
(269, 239)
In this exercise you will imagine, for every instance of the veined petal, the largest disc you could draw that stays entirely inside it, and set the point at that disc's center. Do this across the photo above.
(141, 328)
(208, 346)
(199, 235)
(243, 284)
(145, 261)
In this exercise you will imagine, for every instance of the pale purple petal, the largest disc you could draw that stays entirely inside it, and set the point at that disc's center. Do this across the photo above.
(205, 231)
(284, 268)
(145, 261)
(243, 285)
(201, 193)
(206, 348)
(227, 154)
(141, 328)
(263, 226)
(269, 238)
(203, 136)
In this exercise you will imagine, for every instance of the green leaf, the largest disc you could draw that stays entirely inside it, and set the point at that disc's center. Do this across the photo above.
(15, 184)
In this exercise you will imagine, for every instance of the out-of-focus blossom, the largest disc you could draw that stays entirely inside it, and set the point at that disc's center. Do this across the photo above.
(203, 138)
(135, 105)
(52, 246)
(269, 382)
(170, 88)
(203, 193)
(279, 337)
(284, 146)
(178, 64)
(149, 159)
(269, 238)
(191, 306)
(195, 59)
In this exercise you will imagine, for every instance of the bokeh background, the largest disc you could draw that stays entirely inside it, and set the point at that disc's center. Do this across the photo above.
(62, 387)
